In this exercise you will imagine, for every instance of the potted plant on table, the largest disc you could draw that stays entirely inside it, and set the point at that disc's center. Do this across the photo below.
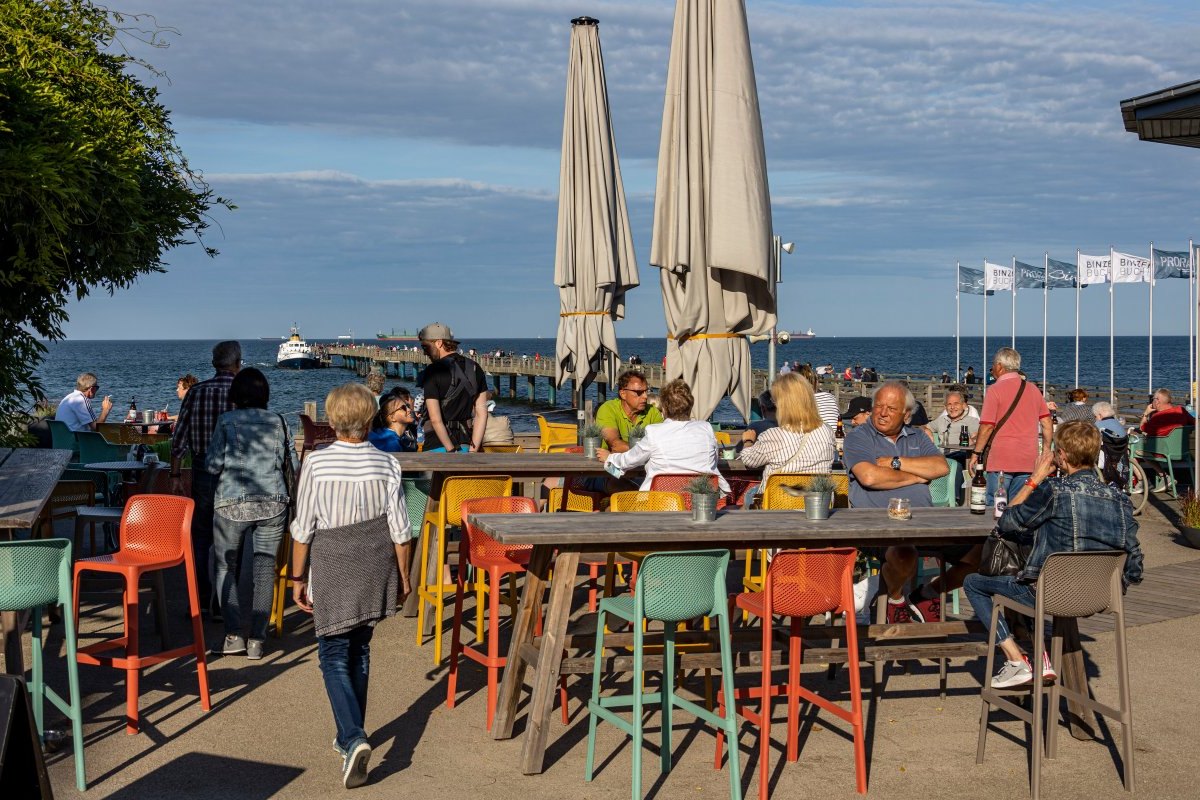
(818, 497)
(636, 433)
(704, 492)
(591, 439)
(1189, 518)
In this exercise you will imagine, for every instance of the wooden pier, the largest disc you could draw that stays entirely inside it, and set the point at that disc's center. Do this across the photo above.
(514, 377)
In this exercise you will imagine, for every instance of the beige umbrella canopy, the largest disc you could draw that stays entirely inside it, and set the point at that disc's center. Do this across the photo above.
(594, 262)
(712, 207)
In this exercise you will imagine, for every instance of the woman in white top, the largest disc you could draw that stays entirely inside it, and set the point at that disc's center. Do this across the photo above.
(801, 443)
(827, 406)
(678, 444)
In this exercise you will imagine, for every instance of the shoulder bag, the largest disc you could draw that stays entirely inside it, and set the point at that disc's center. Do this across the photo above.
(987, 448)
(1002, 556)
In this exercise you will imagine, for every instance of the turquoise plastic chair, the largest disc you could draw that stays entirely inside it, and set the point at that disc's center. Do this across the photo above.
(670, 588)
(63, 438)
(942, 489)
(1168, 452)
(35, 574)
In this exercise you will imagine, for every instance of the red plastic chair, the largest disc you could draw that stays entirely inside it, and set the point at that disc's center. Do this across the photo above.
(678, 482)
(478, 550)
(155, 534)
(316, 435)
(800, 584)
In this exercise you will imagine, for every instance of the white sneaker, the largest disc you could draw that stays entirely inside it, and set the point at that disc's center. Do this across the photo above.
(1012, 673)
(354, 768)
(1049, 676)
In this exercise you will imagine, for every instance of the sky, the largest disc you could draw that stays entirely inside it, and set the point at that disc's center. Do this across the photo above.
(396, 162)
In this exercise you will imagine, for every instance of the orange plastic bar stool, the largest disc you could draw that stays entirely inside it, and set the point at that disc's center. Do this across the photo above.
(799, 585)
(155, 534)
(486, 555)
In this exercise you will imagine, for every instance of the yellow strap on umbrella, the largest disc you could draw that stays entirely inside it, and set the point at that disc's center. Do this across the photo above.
(707, 336)
(583, 313)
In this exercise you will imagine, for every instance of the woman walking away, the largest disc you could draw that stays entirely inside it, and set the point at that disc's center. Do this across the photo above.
(393, 429)
(251, 454)
(351, 520)
(1059, 515)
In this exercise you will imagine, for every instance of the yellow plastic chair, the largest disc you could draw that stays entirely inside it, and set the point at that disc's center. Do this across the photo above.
(432, 589)
(556, 433)
(637, 501)
(502, 448)
(774, 498)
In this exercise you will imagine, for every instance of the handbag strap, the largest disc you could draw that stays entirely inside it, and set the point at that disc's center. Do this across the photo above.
(987, 448)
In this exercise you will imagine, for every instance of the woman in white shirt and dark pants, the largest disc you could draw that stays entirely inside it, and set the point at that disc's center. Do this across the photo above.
(678, 444)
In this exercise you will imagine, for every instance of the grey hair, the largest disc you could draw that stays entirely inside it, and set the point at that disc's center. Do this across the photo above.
(1165, 394)
(910, 402)
(1103, 409)
(1008, 358)
(226, 355)
(85, 381)
(961, 394)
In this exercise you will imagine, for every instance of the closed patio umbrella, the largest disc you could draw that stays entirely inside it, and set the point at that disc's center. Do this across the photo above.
(712, 207)
(593, 262)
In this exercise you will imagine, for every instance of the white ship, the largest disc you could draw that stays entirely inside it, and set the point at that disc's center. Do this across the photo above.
(295, 353)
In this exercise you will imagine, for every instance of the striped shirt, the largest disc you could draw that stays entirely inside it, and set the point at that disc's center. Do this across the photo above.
(203, 403)
(827, 408)
(781, 450)
(345, 484)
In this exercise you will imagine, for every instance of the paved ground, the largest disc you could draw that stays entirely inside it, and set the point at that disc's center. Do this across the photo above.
(269, 731)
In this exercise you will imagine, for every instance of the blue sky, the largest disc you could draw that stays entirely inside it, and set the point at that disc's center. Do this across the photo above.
(397, 162)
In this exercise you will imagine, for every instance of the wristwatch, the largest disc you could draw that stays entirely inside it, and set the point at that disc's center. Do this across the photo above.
(895, 462)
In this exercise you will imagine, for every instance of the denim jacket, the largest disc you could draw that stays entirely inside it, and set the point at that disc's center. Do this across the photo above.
(247, 452)
(1074, 513)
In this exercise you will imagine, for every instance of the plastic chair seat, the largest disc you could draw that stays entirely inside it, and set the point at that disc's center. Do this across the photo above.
(122, 562)
(512, 562)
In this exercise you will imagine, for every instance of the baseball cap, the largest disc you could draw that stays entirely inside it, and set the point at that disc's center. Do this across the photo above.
(766, 402)
(436, 330)
(857, 406)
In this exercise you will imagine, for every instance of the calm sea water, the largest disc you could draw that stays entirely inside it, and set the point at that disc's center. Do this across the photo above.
(148, 370)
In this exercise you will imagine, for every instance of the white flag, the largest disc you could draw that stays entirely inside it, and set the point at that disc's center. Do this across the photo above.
(1130, 269)
(1093, 269)
(997, 278)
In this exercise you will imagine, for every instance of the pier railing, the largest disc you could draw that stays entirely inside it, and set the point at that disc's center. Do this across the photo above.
(509, 370)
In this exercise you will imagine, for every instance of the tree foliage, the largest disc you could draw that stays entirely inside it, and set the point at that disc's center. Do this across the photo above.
(93, 187)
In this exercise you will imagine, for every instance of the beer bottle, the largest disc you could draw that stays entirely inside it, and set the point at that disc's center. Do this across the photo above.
(132, 415)
(978, 491)
(839, 439)
(964, 437)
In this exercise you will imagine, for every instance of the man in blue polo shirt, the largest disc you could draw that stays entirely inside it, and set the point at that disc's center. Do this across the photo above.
(887, 457)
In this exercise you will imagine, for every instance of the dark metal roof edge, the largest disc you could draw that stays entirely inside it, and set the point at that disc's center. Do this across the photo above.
(1180, 90)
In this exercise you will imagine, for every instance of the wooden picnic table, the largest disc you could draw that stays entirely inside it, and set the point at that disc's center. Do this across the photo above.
(558, 540)
(27, 478)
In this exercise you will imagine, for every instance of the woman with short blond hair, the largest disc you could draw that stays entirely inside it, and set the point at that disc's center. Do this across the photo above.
(801, 442)
(351, 515)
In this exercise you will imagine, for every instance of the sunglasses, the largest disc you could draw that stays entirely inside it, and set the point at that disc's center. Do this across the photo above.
(402, 407)
(638, 392)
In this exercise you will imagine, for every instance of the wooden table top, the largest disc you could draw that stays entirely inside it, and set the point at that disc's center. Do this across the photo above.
(859, 527)
(27, 477)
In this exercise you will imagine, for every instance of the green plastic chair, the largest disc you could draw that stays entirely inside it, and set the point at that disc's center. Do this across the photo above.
(670, 588)
(941, 489)
(63, 438)
(35, 574)
(1168, 452)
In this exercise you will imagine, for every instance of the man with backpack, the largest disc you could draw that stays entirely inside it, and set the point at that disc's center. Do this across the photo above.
(455, 393)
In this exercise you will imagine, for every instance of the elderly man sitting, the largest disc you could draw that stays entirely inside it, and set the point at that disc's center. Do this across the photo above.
(886, 457)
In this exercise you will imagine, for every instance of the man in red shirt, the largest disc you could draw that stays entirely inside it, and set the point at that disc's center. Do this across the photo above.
(1015, 450)
(1160, 418)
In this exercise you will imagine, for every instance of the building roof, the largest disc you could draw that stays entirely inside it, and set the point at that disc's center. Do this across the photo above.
(1170, 116)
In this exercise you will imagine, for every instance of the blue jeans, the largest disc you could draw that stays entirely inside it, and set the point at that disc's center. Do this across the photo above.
(1013, 483)
(228, 537)
(204, 489)
(980, 589)
(346, 665)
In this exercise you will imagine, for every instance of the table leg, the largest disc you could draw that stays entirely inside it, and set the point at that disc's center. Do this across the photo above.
(13, 624)
(545, 677)
(1074, 677)
(536, 576)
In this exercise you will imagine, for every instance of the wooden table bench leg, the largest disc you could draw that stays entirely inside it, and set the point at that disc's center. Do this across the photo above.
(513, 678)
(13, 624)
(545, 677)
(1074, 677)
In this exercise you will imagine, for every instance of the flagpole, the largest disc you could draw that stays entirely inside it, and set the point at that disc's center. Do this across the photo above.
(1191, 325)
(1077, 317)
(985, 364)
(1150, 365)
(1045, 317)
(1112, 392)
(957, 320)
(1014, 303)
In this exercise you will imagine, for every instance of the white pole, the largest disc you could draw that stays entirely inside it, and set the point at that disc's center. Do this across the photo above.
(984, 365)
(1045, 317)
(776, 254)
(957, 321)
(1191, 323)
(1014, 303)
(1150, 357)
(1112, 392)
(1077, 317)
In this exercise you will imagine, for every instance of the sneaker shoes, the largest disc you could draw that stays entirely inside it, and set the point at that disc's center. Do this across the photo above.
(930, 610)
(1048, 674)
(254, 649)
(354, 765)
(233, 645)
(902, 611)
(1012, 673)
(1160, 485)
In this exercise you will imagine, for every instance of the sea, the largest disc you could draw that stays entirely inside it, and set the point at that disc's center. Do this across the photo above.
(146, 372)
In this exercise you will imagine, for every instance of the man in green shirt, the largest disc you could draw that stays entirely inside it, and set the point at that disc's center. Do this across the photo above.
(628, 409)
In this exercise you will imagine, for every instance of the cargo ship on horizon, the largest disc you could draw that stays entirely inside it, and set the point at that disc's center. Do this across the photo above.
(403, 336)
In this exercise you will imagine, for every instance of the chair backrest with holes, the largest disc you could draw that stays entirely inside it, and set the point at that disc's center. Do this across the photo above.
(774, 498)
(673, 587)
(805, 583)
(1081, 584)
(478, 544)
(158, 526)
(34, 573)
(646, 501)
(459, 488)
